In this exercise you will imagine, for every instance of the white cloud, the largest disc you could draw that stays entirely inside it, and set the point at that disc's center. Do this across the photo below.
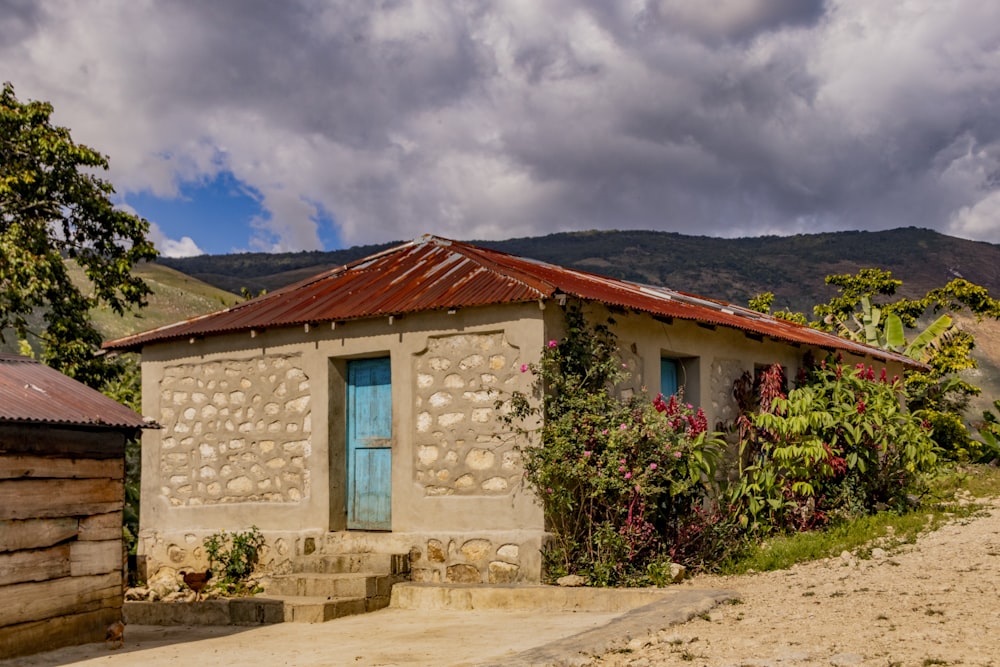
(490, 119)
(184, 247)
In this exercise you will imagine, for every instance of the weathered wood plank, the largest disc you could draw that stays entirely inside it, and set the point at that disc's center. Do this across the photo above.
(86, 558)
(17, 466)
(62, 441)
(35, 565)
(52, 633)
(38, 533)
(27, 602)
(101, 527)
(36, 499)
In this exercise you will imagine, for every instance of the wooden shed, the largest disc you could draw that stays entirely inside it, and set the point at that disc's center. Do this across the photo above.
(62, 457)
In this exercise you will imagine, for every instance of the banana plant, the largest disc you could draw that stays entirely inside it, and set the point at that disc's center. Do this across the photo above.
(885, 330)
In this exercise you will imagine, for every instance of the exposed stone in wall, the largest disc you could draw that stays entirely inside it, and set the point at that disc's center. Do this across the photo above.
(235, 430)
(460, 448)
(724, 373)
(472, 561)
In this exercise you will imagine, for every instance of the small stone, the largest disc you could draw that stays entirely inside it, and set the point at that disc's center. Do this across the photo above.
(138, 593)
(463, 574)
(500, 572)
(846, 659)
(636, 645)
(571, 580)
(677, 572)
(878, 554)
(435, 551)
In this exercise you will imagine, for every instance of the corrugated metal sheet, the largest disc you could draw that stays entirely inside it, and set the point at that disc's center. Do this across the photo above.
(32, 392)
(434, 273)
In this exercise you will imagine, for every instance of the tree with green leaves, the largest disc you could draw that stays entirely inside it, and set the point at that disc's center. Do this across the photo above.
(866, 309)
(54, 209)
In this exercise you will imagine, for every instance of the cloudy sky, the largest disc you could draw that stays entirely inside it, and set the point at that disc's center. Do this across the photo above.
(250, 125)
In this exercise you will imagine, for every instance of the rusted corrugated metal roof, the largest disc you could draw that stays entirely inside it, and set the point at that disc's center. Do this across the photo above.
(32, 392)
(433, 273)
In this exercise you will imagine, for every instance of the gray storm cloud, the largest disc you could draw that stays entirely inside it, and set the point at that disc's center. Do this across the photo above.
(488, 119)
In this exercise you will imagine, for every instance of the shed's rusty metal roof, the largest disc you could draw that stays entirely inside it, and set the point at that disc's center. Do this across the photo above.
(32, 392)
(432, 273)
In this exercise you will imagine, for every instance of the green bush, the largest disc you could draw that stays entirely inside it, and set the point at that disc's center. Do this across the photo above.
(234, 556)
(620, 481)
(840, 444)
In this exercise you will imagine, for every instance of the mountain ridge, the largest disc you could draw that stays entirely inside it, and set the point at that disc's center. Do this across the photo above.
(733, 270)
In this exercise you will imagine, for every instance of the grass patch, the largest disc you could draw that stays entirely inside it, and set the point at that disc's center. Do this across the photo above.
(886, 529)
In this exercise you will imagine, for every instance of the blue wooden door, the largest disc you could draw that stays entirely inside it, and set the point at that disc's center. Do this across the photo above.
(369, 444)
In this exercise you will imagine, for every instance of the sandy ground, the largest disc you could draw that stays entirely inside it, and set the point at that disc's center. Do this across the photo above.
(933, 603)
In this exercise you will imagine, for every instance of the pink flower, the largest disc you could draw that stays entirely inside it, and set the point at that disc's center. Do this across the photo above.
(621, 468)
(623, 427)
(677, 455)
(604, 431)
(652, 466)
(628, 475)
(524, 368)
(587, 454)
(552, 344)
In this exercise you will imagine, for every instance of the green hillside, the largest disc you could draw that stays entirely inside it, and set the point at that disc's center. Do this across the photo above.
(176, 296)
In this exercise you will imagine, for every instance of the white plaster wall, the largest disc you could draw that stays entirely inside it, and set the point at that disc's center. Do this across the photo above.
(253, 435)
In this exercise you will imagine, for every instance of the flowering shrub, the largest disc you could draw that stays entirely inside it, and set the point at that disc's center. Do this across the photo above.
(619, 480)
(839, 444)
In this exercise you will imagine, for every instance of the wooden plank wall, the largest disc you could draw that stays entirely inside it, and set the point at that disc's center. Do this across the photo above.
(61, 499)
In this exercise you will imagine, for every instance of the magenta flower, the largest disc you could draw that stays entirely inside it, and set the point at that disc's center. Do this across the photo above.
(552, 344)
(524, 368)
(587, 454)
(604, 432)
(621, 468)
(623, 427)
(628, 475)
(652, 466)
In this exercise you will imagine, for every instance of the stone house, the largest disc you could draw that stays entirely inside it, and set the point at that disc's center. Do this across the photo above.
(62, 458)
(355, 411)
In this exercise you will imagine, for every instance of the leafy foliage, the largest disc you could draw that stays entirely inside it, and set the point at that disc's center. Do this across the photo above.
(234, 556)
(621, 481)
(989, 432)
(839, 444)
(53, 207)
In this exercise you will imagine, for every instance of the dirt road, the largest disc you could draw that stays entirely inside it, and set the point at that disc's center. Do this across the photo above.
(933, 603)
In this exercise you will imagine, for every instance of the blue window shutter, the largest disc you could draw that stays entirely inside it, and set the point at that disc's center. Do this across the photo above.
(668, 376)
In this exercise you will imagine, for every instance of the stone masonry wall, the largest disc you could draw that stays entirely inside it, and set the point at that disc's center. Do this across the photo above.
(724, 372)
(235, 430)
(468, 561)
(459, 448)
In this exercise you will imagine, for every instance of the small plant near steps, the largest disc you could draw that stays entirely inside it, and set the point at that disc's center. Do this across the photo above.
(233, 557)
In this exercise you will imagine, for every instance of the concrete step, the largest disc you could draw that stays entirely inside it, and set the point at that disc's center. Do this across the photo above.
(311, 584)
(317, 609)
(377, 563)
